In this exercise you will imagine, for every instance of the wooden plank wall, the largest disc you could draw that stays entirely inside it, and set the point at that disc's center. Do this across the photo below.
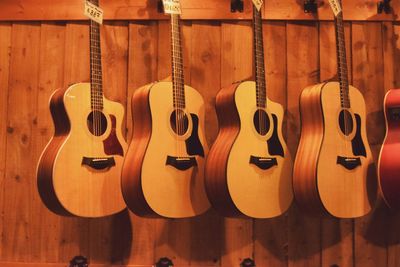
(38, 57)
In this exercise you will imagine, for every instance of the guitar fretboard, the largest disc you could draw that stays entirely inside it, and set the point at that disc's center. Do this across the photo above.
(259, 59)
(96, 81)
(177, 63)
(342, 61)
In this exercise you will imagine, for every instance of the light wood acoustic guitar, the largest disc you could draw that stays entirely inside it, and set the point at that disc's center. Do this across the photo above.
(249, 168)
(334, 172)
(389, 157)
(79, 171)
(163, 172)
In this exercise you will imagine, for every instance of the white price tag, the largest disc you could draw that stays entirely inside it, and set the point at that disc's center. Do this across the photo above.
(258, 4)
(93, 12)
(336, 8)
(172, 6)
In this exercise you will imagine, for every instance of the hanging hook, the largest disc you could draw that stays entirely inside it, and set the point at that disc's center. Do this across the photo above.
(248, 263)
(310, 6)
(237, 6)
(384, 6)
(164, 262)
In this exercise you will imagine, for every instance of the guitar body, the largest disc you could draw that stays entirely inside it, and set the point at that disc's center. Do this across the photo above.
(78, 172)
(163, 173)
(333, 171)
(389, 158)
(248, 173)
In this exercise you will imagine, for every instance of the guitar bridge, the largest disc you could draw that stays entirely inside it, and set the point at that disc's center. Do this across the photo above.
(98, 163)
(263, 162)
(181, 163)
(348, 162)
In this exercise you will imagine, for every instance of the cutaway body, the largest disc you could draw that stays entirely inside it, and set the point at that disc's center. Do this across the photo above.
(79, 173)
(389, 158)
(333, 170)
(163, 173)
(248, 172)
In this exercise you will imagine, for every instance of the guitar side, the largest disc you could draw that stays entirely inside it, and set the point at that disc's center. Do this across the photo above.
(71, 169)
(389, 157)
(45, 166)
(253, 171)
(216, 165)
(333, 172)
(153, 182)
(306, 161)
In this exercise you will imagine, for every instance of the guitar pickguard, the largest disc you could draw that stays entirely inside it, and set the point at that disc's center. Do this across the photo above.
(193, 144)
(111, 144)
(274, 144)
(357, 142)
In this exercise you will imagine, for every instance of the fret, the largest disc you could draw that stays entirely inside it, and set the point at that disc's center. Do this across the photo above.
(259, 67)
(342, 61)
(177, 63)
(96, 79)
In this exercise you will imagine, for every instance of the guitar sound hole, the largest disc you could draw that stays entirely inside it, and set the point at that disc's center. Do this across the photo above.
(261, 122)
(179, 122)
(346, 122)
(97, 123)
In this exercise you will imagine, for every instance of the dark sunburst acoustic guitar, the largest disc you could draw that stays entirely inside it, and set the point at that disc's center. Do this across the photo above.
(333, 170)
(249, 168)
(163, 172)
(79, 171)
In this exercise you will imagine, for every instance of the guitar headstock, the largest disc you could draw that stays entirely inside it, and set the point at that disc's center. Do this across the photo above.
(258, 4)
(172, 7)
(336, 6)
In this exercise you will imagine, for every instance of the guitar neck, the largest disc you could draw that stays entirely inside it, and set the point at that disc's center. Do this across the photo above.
(342, 61)
(96, 80)
(177, 63)
(259, 58)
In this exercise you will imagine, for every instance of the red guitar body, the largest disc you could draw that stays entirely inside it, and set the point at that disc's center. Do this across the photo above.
(389, 158)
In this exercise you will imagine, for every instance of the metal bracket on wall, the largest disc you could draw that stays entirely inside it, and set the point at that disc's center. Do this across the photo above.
(79, 261)
(384, 6)
(310, 6)
(164, 262)
(248, 263)
(237, 6)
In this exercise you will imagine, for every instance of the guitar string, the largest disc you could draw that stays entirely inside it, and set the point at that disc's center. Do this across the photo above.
(179, 79)
(259, 69)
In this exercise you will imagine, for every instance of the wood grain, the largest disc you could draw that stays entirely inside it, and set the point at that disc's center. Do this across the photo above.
(203, 61)
(237, 233)
(337, 235)
(74, 232)
(367, 54)
(302, 70)
(142, 69)
(5, 45)
(270, 236)
(302, 242)
(206, 9)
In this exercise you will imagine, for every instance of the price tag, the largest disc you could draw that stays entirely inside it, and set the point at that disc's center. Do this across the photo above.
(335, 5)
(93, 12)
(258, 4)
(172, 6)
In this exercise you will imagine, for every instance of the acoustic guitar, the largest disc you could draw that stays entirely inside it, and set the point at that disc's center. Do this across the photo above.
(249, 168)
(163, 172)
(389, 157)
(79, 171)
(333, 170)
